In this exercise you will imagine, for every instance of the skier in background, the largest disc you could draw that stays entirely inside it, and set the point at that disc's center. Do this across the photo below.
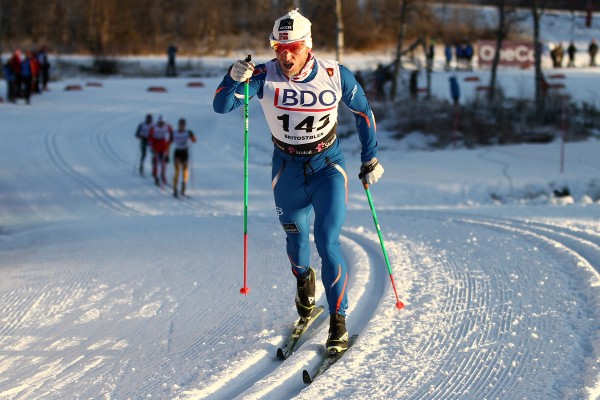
(300, 94)
(159, 137)
(181, 140)
(142, 132)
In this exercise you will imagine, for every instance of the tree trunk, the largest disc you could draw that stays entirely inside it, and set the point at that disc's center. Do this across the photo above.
(398, 60)
(339, 43)
(539, 76)
(425, 42)
(499, 39)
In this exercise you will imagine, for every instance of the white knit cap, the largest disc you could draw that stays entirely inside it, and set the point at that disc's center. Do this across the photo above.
(292, 27)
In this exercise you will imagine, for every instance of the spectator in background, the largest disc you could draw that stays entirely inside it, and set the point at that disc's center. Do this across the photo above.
(26, 76)
(430, 56)
(35, 73)
(382, 76)
(15, 68)
(44, 68)
(171, 68)
(468, 53)
(448, 55)
(359, 78)
(458, 50)
(571, 50)
(559, 54)
(9, 77)
(593, 50)
(413, 84)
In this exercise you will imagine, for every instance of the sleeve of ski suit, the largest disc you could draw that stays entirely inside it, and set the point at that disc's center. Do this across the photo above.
(354, 97)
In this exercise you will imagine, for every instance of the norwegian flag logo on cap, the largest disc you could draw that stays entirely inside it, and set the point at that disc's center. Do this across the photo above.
(286, 24)
(283, 36)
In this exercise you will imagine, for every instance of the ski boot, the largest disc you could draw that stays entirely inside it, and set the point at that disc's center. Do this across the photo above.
(183, 189)
(338, 335)
(305, 293)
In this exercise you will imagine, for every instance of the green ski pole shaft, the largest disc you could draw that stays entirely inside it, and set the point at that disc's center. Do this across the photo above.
(399, 304)
(245, 290)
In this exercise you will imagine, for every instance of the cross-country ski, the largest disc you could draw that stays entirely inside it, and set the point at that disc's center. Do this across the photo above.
(331, 358)
(300, 330)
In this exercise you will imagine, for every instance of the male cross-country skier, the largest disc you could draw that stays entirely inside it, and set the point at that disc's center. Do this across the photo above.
(299, 95)
(159, 137)
(181, 140)
(142, 132)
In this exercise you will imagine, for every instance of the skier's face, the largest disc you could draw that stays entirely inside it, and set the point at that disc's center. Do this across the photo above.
(291, 57)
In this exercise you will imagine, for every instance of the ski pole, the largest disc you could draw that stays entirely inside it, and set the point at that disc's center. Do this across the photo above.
(191, 167)
(399, 304)
(246, 289)
(137, 159)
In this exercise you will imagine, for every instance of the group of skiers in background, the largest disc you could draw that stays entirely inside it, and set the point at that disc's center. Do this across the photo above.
(26, 73)
(159, 137)
(557, 54)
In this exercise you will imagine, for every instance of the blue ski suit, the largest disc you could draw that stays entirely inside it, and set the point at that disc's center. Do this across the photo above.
(306, 178)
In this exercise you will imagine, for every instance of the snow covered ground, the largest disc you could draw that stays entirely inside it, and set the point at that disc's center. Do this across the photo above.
(112, 289)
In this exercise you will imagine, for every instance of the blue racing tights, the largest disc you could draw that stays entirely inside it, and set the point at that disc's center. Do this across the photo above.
(300, 186)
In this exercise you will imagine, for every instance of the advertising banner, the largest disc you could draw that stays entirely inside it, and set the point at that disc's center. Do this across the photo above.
(513, 53)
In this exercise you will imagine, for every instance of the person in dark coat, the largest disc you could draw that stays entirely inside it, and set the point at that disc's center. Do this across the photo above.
(9, 77)
(448, 54)
(571, 50)
(42, 57)
(26, 77)
(593, 50)
(171, 67)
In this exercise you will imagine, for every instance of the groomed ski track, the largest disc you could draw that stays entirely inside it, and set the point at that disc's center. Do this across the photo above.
(112, 289)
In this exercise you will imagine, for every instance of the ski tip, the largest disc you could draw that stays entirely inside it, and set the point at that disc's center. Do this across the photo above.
(280, 354)
(306, 377)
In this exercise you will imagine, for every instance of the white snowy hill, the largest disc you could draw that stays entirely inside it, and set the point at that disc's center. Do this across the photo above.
(112, 289)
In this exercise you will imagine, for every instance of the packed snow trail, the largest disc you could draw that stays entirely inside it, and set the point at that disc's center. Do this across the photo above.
(110, 288)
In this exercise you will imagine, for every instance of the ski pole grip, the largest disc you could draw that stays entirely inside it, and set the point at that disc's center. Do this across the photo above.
(248, 59)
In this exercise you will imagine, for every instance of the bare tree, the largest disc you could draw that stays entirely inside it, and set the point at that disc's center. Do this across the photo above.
(404, 10)
(339, 43)
(507, 18)
(537, 11)
(500, 36)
